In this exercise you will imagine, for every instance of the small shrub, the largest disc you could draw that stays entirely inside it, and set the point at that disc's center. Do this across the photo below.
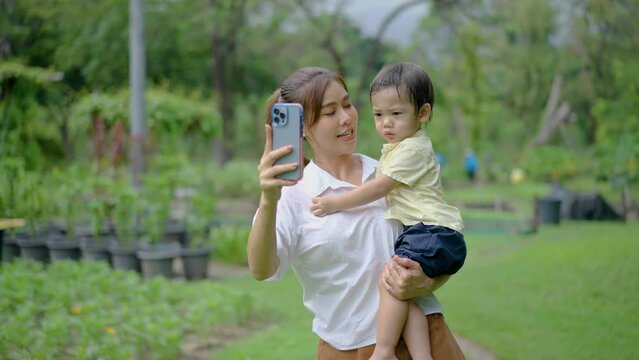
(84, 310)
(230, 243)
(552, 163)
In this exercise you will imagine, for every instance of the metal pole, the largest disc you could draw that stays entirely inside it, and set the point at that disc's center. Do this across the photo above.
(137, 73)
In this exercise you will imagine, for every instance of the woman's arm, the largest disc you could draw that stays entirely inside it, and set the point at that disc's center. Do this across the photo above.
(405, 279)
(364, 194)
(262, 245)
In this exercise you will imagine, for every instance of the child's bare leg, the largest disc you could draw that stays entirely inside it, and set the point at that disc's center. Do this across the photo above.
(415, 333)
(390, 323)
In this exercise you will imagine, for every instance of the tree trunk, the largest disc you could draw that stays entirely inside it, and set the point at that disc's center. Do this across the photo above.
(555, 114)
(223, 146)
(223, 41)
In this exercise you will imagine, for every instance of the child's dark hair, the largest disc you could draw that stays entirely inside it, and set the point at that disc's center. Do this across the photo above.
(408, 77)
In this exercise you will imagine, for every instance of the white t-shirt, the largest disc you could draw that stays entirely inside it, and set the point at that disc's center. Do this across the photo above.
(338, 258)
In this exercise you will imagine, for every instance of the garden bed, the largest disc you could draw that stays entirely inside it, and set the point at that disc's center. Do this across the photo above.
(86, 310)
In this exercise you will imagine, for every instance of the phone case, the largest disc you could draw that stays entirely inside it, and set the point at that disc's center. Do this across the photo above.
(287, 120)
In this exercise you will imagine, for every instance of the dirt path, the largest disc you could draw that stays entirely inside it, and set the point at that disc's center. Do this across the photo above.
(474, 351)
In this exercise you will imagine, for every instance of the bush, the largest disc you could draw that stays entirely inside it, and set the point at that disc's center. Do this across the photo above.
(230, 243)
(551, 163)
(84, 310)
(236, 178)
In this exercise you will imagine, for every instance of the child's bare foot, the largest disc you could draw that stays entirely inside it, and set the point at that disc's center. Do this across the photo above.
(383, 354)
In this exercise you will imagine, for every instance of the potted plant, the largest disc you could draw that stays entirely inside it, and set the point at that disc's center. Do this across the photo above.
(96, 246)
(68, 191)
(157, 255)
(125, 214)
(34, 205)
(11, 174)
(195, 256)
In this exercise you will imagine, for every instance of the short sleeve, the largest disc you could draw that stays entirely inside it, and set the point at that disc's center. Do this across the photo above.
(408, 162)
(286, 235)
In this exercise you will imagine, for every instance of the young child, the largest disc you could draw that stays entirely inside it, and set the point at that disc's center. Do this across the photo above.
(408, 175)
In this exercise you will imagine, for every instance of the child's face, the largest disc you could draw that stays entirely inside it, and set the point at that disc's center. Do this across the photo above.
(395, 117)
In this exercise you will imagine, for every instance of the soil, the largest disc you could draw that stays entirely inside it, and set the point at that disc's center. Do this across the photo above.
(197, 347)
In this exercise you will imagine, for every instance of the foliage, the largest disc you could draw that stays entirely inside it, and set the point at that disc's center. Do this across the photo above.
(36, 75)
(126, 212)
(170, 117)
(230, 243)
(85, 310)
(236, 178)
(11, 175)
(492, 64)
(200, 213)
(551, 163)
(24, 129)
(282, 302)
(67, 195)
(617, 147)
(21, 195)
(156, 197)
(99, 193)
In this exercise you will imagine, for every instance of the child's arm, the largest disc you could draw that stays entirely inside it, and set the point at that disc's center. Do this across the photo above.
(364, 194)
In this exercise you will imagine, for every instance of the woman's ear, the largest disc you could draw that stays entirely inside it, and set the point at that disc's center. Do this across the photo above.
(424, 113)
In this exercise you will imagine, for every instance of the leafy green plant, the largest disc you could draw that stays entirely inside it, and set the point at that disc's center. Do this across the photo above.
(54, 313)
(97, 203)
(35, 201)
(552, 163)
(235, 179)
(11, 174)
(230, 243)
(67, 196)
(125, 213)
(157, 205)
(198, 218)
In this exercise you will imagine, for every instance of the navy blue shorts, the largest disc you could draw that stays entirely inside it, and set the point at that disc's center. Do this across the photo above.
(438, 249)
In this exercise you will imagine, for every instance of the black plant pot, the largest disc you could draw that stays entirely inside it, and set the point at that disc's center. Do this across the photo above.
(124, 257)
(34, 249)
(63, 249)
(95, 251)
(157, 259)
(10, 249)
(548, 210)
(196, 262)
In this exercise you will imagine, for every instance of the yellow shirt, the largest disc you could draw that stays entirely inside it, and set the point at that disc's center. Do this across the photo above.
(418, 197)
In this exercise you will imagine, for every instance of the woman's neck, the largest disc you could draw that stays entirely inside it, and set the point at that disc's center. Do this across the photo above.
(344, 167)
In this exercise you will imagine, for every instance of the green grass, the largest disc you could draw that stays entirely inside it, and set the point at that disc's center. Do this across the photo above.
(290, 336)
(569, 292)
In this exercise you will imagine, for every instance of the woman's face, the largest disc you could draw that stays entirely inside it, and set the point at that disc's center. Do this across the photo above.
(335, 133)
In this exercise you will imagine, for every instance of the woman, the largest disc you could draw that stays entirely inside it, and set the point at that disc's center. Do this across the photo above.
(337, 258)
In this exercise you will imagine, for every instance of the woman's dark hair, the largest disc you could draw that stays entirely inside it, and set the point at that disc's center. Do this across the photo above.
(408, 77)
(305, 86)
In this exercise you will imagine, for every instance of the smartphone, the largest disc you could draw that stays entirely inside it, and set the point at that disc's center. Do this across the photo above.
(287, 120)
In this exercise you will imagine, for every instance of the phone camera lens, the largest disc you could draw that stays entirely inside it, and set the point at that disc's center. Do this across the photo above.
(276, 111)
(282, 115)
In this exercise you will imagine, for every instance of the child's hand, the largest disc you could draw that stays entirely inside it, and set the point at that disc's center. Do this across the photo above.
(321, 206)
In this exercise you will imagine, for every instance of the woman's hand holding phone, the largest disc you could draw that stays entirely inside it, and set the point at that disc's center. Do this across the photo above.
(268, 171)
